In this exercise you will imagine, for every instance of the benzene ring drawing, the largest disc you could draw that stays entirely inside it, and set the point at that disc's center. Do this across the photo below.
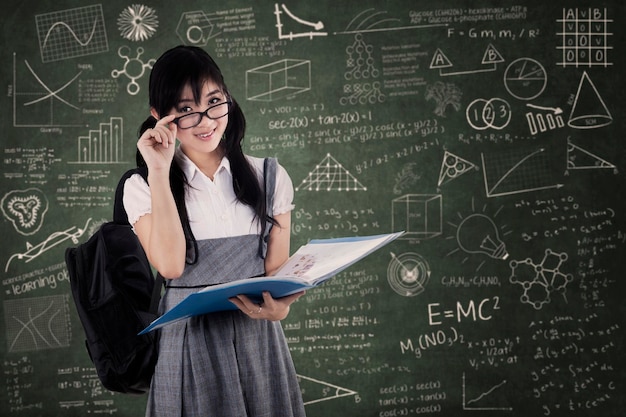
(408, 273)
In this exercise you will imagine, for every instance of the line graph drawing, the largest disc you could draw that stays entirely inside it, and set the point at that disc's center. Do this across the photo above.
(35, 104)
(517, 171)
(328, 391)
(34, 324)
(330, 175)
(311, 29)
(579, 158)
(71, 33)
(487, 399)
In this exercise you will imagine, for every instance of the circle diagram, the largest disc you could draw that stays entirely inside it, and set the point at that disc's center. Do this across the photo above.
(408, 274)
(525, 78)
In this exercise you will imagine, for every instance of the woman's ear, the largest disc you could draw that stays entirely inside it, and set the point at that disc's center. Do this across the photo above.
(154, 113)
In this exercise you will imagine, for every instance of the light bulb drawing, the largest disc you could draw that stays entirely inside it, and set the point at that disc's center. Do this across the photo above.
(477, 233)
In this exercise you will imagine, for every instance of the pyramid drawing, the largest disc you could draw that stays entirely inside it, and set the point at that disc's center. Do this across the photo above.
(452, 167)
(330, 175)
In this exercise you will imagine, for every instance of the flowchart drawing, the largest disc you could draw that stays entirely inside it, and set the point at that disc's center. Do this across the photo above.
(71, 33)
(330, 175)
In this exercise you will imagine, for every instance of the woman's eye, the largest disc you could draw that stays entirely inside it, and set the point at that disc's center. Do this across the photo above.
(185, 109)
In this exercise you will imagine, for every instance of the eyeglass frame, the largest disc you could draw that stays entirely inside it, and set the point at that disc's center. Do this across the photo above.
(203, 114)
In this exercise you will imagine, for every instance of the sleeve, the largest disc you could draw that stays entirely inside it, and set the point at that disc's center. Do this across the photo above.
(283, 194)
(136, 199)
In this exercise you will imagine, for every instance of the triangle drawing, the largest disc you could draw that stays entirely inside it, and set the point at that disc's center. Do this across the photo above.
(579, 158)
(315, 391)
(452, 167)
(330, 175)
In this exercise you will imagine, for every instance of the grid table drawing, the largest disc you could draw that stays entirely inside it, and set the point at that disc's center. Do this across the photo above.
(71, 33)
(585, 37)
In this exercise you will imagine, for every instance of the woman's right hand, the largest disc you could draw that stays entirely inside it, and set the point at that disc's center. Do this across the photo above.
(157, 145)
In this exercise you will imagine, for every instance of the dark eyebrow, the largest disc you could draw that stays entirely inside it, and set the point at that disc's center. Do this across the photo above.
(191, 100)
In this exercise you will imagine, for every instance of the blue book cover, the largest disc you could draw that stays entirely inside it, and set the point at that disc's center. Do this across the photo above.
(310, 266)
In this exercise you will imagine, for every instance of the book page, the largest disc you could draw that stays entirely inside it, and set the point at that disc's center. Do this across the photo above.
(322, 259)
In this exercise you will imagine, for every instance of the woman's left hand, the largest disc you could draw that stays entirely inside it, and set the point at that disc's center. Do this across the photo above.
(273, 309)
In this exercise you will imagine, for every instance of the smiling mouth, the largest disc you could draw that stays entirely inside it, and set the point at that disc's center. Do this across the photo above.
(206, 135)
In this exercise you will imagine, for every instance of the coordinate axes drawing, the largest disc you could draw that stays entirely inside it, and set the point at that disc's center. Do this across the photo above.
(71, 33)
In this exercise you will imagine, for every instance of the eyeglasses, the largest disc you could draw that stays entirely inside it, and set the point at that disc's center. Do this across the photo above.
(190, 120)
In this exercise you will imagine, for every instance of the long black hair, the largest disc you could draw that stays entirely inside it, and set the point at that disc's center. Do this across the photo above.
(189, 65)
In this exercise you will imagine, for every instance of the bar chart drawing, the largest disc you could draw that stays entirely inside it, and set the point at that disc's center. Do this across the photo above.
(103, 145)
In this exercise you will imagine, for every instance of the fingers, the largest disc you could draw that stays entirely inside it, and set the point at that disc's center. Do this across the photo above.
(270, 309)
(164, 132)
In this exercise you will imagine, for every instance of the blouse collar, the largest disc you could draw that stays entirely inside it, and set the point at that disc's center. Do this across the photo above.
(190, 169)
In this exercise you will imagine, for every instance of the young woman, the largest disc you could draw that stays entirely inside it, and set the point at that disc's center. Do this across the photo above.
(234, 363)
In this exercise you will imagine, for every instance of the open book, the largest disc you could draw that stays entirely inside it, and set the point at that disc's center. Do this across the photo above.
(310, 266)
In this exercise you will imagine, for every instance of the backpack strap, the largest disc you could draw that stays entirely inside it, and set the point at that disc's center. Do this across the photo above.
(269, 184)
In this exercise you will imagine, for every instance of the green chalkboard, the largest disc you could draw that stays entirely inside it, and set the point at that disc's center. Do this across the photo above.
(491, 133)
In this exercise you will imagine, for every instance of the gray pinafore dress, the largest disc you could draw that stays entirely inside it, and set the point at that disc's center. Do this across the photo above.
(223, 364)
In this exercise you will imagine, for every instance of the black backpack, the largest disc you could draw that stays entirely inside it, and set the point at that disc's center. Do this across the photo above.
(116, 296)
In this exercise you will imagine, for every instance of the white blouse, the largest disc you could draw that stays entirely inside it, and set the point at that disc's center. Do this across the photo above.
(213, 210)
